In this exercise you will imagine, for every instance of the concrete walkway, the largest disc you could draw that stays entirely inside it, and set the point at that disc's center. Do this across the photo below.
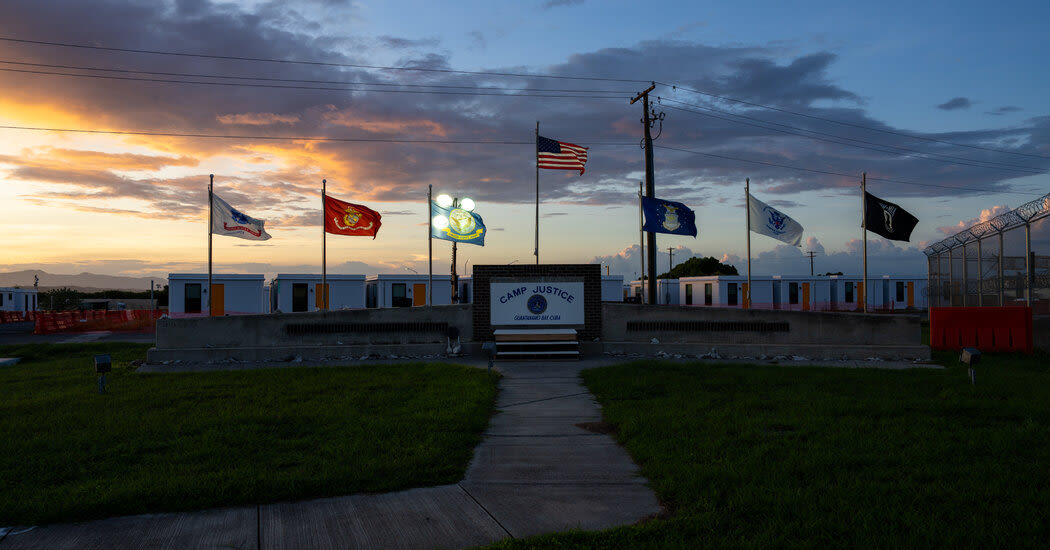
(535, 472)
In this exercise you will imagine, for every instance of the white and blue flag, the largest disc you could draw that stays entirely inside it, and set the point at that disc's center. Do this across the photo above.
(766, 220)
(227, 220)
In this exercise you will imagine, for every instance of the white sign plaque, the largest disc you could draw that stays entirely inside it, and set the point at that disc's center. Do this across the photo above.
(540, 304)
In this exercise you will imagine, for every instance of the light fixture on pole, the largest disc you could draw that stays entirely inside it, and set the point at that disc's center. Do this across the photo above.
(460, 219)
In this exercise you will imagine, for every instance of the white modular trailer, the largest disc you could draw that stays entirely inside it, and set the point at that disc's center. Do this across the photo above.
(668, 291)
(302, 292)
(714, 291)
(18, 299)
(894, 292)
(231, 294)
(612, 288)
(806, 292)
(777, 292)
(396, 290)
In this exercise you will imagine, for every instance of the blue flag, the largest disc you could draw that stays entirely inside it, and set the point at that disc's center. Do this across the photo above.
(668, 217)
(456, 224)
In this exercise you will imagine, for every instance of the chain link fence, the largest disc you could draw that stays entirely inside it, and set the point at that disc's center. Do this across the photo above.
(1001, 261)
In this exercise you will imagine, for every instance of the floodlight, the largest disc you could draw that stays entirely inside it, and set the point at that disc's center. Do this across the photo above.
(467, 204)
(440, 222)
(444, 201)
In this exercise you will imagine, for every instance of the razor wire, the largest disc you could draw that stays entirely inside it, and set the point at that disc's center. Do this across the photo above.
(1024, 214)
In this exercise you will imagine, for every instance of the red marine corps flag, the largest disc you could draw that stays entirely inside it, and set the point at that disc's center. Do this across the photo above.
(343, 218)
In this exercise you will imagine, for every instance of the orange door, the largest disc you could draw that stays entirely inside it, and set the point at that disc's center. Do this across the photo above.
(747, 295)
(218, 300)
(911, 294)
(321, 297)
(419, 294)
(861, 297)
(805, 296)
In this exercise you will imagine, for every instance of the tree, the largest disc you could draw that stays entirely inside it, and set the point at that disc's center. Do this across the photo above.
(59, 299)
(699, 267)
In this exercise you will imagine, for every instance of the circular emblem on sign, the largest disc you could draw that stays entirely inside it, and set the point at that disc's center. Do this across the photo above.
(461, 221)
(537, 304)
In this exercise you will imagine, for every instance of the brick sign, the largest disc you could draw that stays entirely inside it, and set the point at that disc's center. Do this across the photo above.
(538, 304)
(488, 278)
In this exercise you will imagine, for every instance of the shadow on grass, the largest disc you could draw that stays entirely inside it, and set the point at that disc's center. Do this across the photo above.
(765, 456)
(170, 442)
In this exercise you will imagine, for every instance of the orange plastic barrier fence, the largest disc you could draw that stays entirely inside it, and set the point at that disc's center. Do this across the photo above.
(93, 320)
(14, 316)
(986, 328)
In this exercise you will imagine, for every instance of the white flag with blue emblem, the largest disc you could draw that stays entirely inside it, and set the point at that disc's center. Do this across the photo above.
(766, 220)
(227, 220)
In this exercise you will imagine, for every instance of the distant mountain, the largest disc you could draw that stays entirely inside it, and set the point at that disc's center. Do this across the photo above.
(88, 282)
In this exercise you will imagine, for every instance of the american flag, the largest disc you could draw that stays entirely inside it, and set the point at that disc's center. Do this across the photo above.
(558, 155)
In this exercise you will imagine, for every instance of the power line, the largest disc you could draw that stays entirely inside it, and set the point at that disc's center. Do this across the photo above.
(312, 63)
(306, 81)
(565, 93)
(273, 138)
(861, 126)
(830, 173)
(474, 142)
(903, 151)
(316, 88)
(292, 138)
(504, 74)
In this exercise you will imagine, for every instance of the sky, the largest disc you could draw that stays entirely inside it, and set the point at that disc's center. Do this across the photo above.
(115, 112)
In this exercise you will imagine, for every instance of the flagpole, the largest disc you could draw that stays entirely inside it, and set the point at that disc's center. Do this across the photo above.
(430, 245)
(211, 202)
(747, 206)
(864, 225)
(641, 239)
(536, 251)
(324, 248)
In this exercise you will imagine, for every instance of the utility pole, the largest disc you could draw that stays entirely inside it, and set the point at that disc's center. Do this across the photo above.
(811, 254)
(648, 119)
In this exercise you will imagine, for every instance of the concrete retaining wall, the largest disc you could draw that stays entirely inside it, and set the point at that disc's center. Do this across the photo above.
(631, 328)
(312, 336)
(627, 329)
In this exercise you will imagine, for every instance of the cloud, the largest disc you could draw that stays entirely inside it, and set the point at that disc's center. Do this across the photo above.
(258, 119)
(1003, 110)
(986, 214)
(955, 104)
(548, 4)
(478, 41)
(386, 151)
(396, 43)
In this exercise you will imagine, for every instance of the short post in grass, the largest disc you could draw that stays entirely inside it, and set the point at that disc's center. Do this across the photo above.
(490, 349)
(103, 364)
(970, 356)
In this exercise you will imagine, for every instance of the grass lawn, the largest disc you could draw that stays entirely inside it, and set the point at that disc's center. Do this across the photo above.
(769, 457)
(167, 442)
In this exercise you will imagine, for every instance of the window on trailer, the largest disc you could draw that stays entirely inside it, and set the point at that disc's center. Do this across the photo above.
(688, 295)
(399, 295)
(731, 290)
(707, 294)
(793, 293)
(849, 292)
(192, 302)
(900, 291)
(300, 297)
